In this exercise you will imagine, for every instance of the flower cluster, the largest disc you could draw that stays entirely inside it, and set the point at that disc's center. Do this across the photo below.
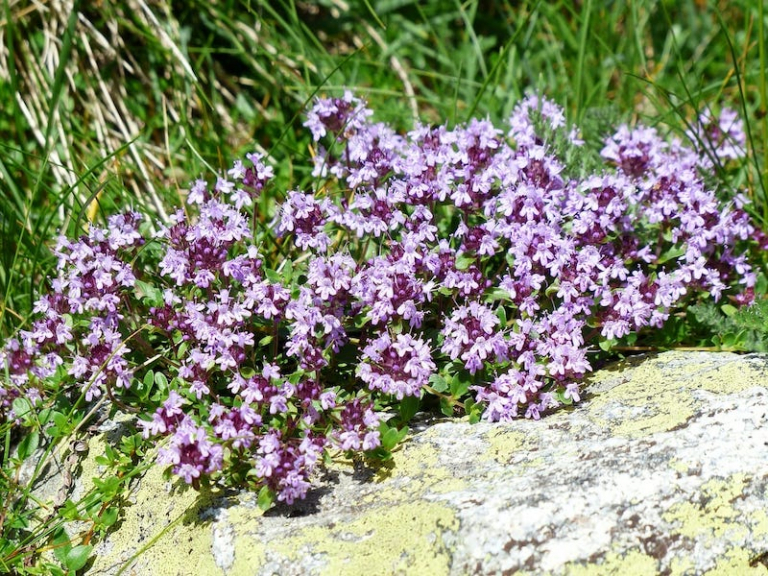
(466, 254)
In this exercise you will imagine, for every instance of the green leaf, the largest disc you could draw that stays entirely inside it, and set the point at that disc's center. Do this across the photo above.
(45, 416)
(473, 410)
(53, 570)
(161, 381)
(464, 262)
(391, 437)
(552, 289)
(495, 294)
(28, 445)
(408, 408)
(149, 294)
(672, 254)
(109, 516)
(379, 454)
(103, 460)
(287, 270)
(60, 420)
(61, 543)
(272, 276)
(562, 398)
(19, 522)
(77, 556)
(446, 407)
(61, 426)
(459, 384)
(501, 314)
(108, 487)
(607, 345)
(728, 309)
(438, 383)
(266, 497)
(22, 407)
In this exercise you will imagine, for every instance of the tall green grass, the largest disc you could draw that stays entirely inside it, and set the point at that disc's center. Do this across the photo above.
(125, 104)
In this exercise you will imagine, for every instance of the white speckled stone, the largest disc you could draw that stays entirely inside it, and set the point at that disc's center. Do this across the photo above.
(662, 469)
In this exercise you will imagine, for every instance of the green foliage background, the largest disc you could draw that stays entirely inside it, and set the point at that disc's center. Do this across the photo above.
(116, 104)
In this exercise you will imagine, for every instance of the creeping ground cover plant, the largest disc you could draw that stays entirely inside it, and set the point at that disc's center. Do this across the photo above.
(470, 268)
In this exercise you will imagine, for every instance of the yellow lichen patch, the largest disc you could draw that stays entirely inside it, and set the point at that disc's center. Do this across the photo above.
(759, 523)
(153, 530)
(732, 378)
(682, 566)
(678, 466)
(736, 563)
(503, 443)
(419, 464)
(412, 461)
(714, 518)
(658, 395)
(633, 563)
(448, 485)
(403, 539)
(249, 551)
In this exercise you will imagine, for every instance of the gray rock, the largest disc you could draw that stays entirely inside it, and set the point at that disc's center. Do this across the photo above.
(662, 468)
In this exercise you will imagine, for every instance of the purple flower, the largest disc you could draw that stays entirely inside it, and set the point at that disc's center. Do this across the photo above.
(336, 115)
(471, 334)
(401, 367)
(358, 427)
(723, 136)
(190, 452)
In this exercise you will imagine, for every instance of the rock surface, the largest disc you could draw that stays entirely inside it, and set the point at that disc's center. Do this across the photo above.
(661, 469)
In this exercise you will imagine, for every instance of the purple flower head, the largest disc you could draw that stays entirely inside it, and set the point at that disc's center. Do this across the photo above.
(635, 151)
(337, 116)
(412, 253)
(191, 452)
(166, 419)
(723, 136)
(390, 289)
(238, 425)
(249, 181)
(401, 367)
(358, 427)
(286, 464)
(302, 215)
(471, 334)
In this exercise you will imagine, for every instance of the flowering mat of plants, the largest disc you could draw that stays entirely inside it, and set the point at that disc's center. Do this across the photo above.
(471, 270)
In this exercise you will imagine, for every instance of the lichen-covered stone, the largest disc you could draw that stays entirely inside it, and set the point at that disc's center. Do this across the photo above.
(663, 468)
